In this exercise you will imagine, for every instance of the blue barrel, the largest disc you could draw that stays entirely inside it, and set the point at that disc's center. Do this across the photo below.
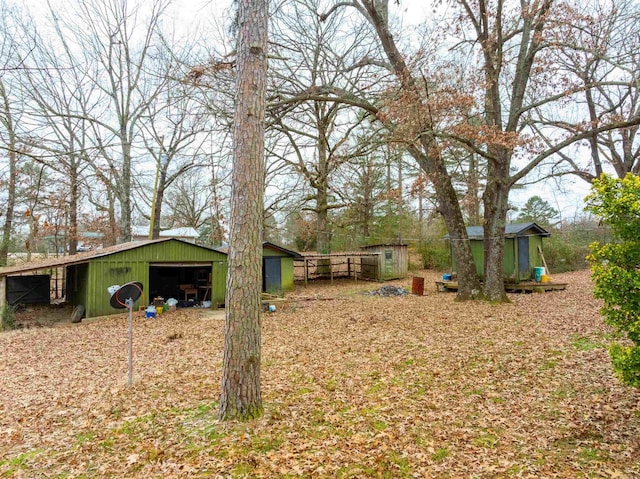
(537, 273)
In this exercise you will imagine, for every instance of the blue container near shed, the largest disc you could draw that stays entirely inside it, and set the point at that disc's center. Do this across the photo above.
(538, 271)
(446, 277)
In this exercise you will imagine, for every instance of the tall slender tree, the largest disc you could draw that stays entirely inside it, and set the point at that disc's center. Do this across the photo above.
(241, 395)
(116, 43)
(11, 66)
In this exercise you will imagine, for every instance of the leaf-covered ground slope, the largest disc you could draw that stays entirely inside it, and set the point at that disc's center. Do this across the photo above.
(354, 386)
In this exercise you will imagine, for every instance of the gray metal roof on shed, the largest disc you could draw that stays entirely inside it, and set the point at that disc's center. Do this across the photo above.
(510, 230)
(267, 244)
(87, 256)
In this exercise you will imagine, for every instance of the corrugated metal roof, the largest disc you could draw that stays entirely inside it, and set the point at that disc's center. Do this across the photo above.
(341, 254)
(85, 257)
(295, 254)
(382, 244)
(512, 229)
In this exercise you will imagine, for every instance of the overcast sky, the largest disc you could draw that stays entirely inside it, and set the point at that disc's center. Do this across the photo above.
(213, 14)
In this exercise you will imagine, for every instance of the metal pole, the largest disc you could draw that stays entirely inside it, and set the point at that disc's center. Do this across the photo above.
(130, 306)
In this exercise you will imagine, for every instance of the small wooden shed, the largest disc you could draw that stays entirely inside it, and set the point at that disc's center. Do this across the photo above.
(166, 267)
(391, 262)
(522, 247)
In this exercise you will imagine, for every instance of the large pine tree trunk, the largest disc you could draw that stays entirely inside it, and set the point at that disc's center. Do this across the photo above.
(240, 396)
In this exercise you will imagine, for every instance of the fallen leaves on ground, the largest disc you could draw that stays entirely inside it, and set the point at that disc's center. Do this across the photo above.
(354, 386)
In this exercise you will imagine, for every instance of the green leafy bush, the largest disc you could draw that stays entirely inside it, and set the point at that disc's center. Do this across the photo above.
(616, 267)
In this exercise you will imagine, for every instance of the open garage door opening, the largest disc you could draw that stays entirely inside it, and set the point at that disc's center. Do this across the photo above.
(189, 284)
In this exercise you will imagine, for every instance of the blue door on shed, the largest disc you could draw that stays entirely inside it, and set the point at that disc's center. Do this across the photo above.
(524, 271)
(272, 275)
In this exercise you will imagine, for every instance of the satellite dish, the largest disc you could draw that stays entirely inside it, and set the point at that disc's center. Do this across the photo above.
(127, 292)
(123, 297)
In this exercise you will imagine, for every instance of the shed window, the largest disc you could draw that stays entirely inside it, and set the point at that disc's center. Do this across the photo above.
(388, 254)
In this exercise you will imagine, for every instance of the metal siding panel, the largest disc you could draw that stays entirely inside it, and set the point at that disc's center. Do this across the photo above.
(534, 255)
(107, 273)
(133, 265)
(218, 282)
(266, 252)
(477, 250)
(287, 274)
(168, 251)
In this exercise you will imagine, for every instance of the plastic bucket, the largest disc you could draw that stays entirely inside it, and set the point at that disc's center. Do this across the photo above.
(417, 286)
(537, 273)
(446, 277)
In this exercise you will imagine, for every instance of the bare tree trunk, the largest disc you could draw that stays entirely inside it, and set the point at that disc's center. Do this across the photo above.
(112, 237)
(367, 202)
(11, 203)
(433, 165)
(124, 192)
(323, 238)
(495, 198)
(449, 208)
(240, 393)
(8, 124)
(73, 209)
(593, 139)
(157, 210)
(473, 189)
(323, 241)
(158, 196)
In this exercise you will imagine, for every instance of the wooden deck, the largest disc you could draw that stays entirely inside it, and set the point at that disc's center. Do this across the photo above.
(524, 287)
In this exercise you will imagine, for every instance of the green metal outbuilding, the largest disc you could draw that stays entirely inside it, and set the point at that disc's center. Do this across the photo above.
(522, 248)
(277, 267)
(166, 267)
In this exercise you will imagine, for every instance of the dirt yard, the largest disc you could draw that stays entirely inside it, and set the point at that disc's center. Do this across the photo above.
(354, 385)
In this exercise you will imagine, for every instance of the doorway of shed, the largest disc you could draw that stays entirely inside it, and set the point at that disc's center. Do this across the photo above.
(189, 284)
(524, 271)
(272, 275)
